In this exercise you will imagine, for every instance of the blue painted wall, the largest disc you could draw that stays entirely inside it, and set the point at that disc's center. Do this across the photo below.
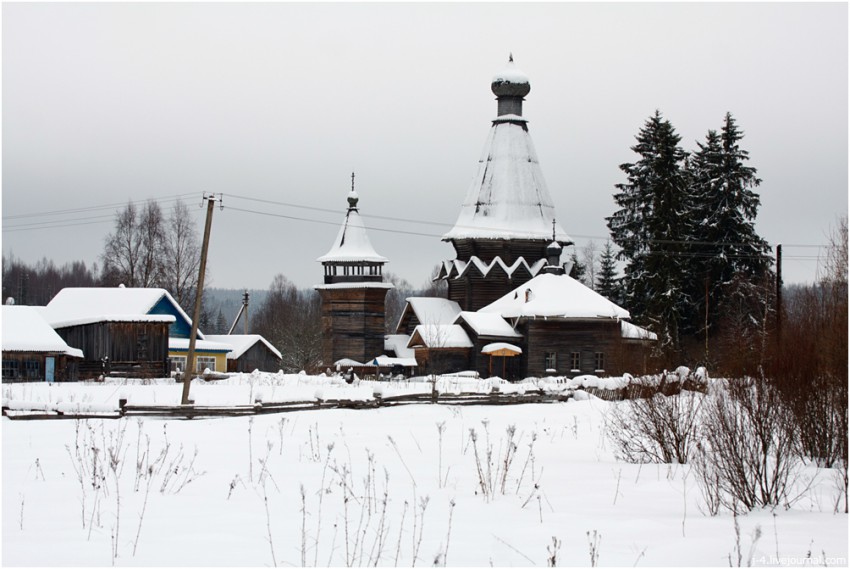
(181, 327)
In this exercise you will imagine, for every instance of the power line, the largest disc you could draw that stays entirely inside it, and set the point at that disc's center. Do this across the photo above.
(164, 199)
(59, 223)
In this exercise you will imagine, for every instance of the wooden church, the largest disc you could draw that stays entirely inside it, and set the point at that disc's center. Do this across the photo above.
(521, 314)
(511, 309)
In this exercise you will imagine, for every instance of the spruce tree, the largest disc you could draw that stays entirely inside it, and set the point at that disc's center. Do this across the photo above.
(606, 280)
(724, 206)
(578, 269)
(649, 230)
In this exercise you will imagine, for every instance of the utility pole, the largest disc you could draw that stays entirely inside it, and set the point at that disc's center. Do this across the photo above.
(190, 357)
(245, 303)
(779, 292)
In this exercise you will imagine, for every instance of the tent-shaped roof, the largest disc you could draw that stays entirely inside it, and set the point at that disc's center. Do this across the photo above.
(508, 197)
(555, 296)
(352, 243)
(25, 330)
(75, 306)
(241, 343)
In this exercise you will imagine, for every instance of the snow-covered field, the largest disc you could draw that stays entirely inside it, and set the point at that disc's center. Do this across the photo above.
(415, 484)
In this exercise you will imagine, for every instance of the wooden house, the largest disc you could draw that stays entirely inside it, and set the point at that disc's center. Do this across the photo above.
(128, 331)
(33, 351)
(248, 352)
(440, 348)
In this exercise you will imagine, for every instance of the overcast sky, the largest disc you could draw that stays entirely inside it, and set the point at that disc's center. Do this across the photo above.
(105, 103)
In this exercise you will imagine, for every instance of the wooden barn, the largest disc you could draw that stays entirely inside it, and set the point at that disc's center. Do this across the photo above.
(248, 352)
(33, 351)
(122, 330)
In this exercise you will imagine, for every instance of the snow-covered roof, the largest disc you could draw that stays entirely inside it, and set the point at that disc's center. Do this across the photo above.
(241, 343)
(439, 336)
(25, 330)
(85, 305)
(433, 310)
(353, 285)
(180, 344)
(501, 347)
(557, 296)
(508, 197)
(347, 362)
(397, 343)
(632, 332)
(488, 324)
(386, 361)
(352, 242)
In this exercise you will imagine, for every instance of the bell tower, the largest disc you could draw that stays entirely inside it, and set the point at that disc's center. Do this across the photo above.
(353, 293)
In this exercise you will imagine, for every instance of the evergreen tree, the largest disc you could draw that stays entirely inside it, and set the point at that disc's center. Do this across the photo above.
(724, 207)
(606, 280)
(649, 230)
(578, 269)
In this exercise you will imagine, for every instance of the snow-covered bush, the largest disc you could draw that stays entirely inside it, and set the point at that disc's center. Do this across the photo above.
(747, 455)
(660, 428)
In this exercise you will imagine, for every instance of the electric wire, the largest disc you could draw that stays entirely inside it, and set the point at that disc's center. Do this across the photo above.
(72, 222)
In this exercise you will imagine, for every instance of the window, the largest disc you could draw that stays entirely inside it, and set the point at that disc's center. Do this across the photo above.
(32, 369)
(204, 362)
(575, 361)
(600, 361)
(10, 369)
(178, 363)
(551, 360)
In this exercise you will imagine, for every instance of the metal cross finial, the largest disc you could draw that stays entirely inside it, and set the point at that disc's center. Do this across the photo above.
(553, 229)
(352, 181)
(510, 57)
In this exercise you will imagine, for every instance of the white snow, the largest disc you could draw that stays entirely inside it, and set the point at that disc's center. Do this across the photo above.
(25, 330)
(84, 305)
(549, 295)
(632, 332)
(386, 361)
(228, 491)
(241, 343)
(439, 336)
(498, 346)
(397, 343)
(508, 198)
(488, 324)
(352, 242)
(433, 310)
(353, 285)
(183, 344)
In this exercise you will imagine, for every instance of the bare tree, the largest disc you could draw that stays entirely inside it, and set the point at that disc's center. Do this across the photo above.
(151, 231)
(590, 255)
(291, 320)
(395, 300)
(182, 257)
(133, 253)
(121, 252)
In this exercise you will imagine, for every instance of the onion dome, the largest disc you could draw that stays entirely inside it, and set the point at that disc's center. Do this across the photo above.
(510, 82)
